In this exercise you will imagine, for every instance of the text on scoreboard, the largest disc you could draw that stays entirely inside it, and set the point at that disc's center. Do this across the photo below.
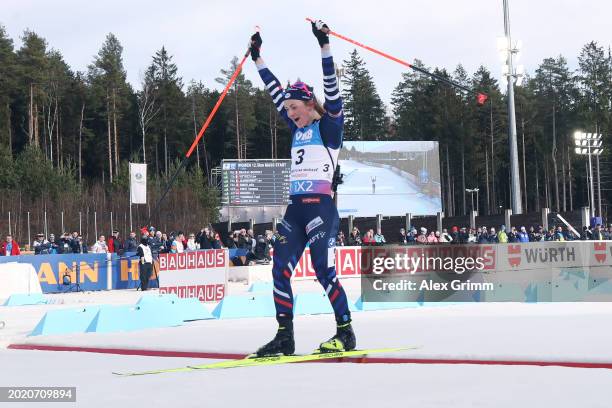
(255, 182)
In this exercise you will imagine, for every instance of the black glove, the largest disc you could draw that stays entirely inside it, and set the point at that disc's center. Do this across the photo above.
(255, 45)
(320, 30)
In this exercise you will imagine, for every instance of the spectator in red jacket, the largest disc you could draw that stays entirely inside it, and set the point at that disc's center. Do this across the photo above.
(115, 244)
(9, 247)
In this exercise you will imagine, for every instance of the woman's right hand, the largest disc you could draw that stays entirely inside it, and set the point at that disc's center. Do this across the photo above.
(255, 45)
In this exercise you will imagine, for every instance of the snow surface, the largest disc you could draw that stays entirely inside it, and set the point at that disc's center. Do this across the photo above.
(395, 195)
(579, 332)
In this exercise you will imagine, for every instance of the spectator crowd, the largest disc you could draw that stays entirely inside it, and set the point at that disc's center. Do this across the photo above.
(482, 235)
(256, 249)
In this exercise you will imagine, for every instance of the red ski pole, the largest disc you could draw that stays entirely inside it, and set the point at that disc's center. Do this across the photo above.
(480, 97)
(216, 107)
(200, 133)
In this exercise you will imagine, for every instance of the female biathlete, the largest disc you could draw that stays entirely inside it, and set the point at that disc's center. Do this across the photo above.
(311, 217)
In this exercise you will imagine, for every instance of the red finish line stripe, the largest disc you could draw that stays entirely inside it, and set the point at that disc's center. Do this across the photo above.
(363, 360)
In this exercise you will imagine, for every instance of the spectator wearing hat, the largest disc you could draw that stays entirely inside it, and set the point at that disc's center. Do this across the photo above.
(146, 262)
(156, 244)
(502, 237)
(455, 237)
(41, 245)
(464, 235)
(422, 237)
(523, 236)
(9, 247)
(412, 236)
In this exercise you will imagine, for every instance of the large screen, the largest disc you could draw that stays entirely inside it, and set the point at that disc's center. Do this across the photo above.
(389, 178)
(255, 182)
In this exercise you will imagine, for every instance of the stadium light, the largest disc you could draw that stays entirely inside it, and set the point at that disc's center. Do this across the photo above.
(510, 75)
(472, 191)
(590, 144)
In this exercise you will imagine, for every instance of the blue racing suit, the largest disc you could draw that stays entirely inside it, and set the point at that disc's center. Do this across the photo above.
(311, 217)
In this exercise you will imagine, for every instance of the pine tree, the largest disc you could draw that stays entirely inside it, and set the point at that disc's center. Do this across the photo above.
(108, 76)
(170, 124)
(408, 101)
(8, 86)
(32, 61)
(364, 111)
(241, 105)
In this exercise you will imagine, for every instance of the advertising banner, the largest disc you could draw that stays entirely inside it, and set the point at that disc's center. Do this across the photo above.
(201, 274)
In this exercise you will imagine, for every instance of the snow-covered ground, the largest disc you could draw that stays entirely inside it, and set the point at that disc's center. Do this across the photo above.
(393, 194)
(568, 332)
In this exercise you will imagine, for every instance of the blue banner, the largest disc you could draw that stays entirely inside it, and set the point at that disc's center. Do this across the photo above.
(125, 272)
(58, 273)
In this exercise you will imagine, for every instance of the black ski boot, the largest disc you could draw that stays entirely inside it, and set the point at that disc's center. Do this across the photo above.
(282, 343)
(344, 340)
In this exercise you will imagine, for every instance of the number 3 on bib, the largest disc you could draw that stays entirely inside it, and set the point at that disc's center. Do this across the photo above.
(300, 157)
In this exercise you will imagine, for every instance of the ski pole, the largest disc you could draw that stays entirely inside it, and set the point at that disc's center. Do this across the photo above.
(480, 97)
(201, 132)
(219, 101)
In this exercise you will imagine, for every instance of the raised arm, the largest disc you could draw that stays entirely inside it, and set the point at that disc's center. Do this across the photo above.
(272, 84)
(332, 123)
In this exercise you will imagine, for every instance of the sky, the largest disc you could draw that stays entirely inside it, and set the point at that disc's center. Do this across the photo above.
(203, 36)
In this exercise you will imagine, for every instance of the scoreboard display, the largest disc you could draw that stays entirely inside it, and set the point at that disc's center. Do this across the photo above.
(255, 182)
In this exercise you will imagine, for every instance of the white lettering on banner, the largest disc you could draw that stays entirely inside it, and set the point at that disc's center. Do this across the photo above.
(205, 293)
(163, 263)
(201, 274)
(191, 260)
(490, 258)
(182, 260)
(172, 262)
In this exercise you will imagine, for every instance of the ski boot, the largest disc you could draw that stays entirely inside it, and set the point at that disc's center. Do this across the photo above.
(282, 344)
(344, 340)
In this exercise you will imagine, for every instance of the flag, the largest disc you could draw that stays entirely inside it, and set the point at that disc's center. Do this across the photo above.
(138, 183)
